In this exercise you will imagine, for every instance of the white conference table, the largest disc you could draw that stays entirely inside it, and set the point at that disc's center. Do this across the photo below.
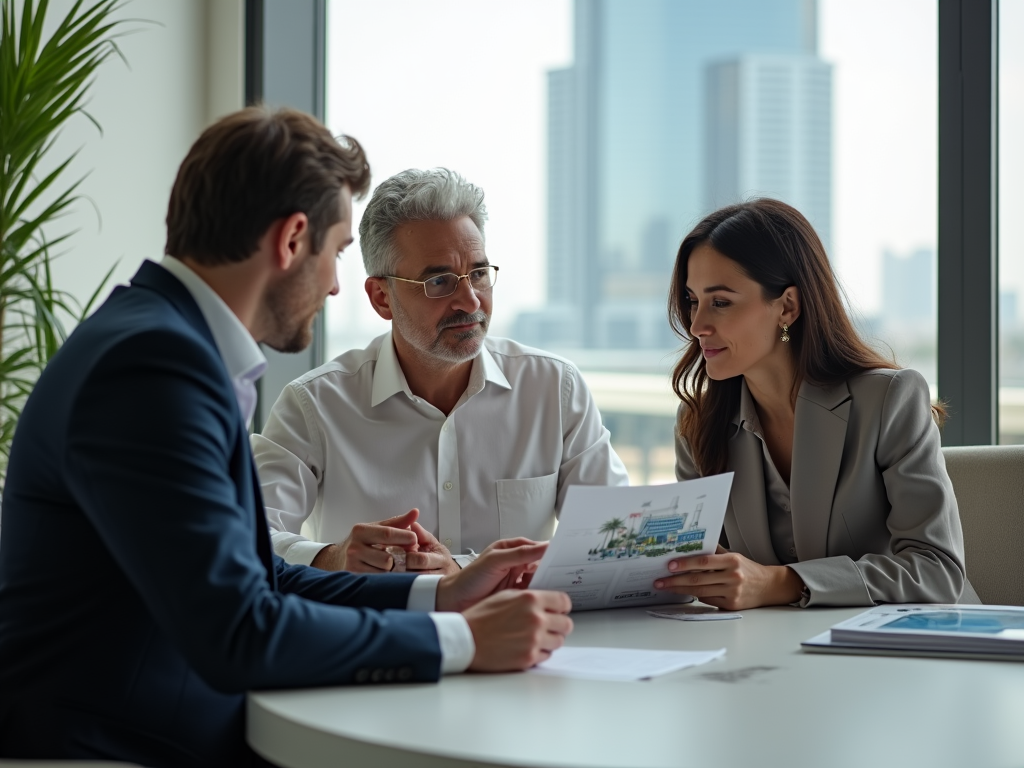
(767, 703)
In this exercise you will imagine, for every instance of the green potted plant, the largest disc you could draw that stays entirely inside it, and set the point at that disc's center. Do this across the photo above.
(43, 84)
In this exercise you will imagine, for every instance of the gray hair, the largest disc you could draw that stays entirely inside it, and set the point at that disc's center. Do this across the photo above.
(414, 195)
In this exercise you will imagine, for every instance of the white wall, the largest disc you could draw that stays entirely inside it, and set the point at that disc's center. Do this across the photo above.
(183, 71)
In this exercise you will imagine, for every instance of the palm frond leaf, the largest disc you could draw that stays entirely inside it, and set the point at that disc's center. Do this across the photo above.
(44, 83)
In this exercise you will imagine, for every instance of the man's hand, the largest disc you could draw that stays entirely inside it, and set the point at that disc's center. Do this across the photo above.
(363, 550)
(731, 581)
(505, 564)
(515, 630)
(431, 555)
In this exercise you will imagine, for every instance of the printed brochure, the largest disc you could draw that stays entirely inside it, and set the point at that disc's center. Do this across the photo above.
(613, 542)
(981, 631)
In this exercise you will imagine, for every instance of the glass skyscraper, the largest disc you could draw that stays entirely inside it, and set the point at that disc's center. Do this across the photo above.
(671, 108)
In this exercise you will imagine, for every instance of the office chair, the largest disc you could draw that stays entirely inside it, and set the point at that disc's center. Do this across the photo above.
(988, 481)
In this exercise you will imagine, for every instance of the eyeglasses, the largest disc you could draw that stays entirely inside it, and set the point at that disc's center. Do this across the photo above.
(439, 286)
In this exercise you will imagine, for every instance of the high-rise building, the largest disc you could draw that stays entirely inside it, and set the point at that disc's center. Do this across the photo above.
(908, 292)
(627, 139)
(769, 132)
(1008, 317)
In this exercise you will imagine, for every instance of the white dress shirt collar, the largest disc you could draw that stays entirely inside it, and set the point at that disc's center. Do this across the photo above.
(389, 379)
(241, 354)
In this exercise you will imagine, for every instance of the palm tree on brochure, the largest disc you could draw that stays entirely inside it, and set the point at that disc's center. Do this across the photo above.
(630, 543)
(609, 528)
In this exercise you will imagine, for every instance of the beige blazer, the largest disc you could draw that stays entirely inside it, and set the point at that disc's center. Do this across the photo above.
(874, 515)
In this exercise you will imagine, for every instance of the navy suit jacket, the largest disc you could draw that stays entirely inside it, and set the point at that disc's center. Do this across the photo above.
(139, 595)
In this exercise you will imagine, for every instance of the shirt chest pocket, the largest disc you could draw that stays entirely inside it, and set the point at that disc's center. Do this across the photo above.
(526, 507)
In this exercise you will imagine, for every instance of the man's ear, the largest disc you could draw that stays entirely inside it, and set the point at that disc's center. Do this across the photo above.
(790, 305)
(292, 238)
(377, 291)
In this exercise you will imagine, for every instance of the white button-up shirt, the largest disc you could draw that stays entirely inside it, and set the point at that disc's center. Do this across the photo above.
(350, 443)
(245, 363)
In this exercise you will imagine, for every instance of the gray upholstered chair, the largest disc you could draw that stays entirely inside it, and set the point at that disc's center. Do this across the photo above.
(989, 484)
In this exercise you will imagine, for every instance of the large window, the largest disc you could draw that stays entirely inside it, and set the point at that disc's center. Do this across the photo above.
(601, 130)
(1011, 222)
(884, 58)
(459, 84)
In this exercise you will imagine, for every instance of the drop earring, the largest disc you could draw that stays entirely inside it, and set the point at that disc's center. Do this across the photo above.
(785, 332)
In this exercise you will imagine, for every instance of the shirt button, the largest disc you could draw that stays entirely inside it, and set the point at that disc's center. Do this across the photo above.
(792, 550)
(447, 542)
(446, 425)
(448, 485)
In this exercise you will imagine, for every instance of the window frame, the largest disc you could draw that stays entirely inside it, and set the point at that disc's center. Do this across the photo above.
(968, 243)
(275, 30)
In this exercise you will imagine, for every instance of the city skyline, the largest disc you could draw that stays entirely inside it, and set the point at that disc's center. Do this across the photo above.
(883, 57)
(628, 142)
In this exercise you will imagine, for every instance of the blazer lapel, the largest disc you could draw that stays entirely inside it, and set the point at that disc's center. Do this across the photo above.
(263, 547)
(155, 278)
(747, 500)
(819, 435)
(747, 505)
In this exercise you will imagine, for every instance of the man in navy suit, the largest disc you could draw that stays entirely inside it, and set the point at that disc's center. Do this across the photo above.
(139, 594)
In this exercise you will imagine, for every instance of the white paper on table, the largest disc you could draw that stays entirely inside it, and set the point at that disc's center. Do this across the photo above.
(612, 543)
(693, 613)
(620, 663)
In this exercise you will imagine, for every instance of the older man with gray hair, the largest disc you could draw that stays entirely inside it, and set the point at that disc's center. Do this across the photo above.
(469, 438)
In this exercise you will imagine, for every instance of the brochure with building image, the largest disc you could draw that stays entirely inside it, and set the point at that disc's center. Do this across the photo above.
(613, 542)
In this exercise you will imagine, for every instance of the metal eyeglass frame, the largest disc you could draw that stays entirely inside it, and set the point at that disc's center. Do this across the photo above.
(458, 280)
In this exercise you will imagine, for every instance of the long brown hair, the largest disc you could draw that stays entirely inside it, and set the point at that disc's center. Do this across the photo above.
(777, 247)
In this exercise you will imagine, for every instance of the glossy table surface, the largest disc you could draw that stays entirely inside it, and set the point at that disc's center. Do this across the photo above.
(766, 703)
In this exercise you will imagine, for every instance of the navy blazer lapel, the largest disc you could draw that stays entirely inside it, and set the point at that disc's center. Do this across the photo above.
(156, 278)
(263, 546)
(819, 434)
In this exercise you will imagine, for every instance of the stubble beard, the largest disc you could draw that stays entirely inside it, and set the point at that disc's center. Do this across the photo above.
(289, 301)
(439, 344)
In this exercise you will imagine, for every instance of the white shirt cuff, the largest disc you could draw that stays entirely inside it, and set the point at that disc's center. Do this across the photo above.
(456, 639)
(423, 594)
(453, 632)
(300, 551)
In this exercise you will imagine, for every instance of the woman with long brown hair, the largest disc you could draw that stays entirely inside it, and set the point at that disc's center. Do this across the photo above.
(840, 494)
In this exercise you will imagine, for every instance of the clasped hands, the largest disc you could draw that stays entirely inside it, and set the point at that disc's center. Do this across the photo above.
(513, 627)
(732, 582)
(365, 549)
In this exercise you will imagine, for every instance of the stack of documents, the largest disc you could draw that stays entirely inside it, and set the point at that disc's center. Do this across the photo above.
(959, 631)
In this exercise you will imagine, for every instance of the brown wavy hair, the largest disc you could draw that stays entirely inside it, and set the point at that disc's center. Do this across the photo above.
(251, 168)
(777, 247)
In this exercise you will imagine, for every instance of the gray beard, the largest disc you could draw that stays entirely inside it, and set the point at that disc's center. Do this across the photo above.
(433, 345)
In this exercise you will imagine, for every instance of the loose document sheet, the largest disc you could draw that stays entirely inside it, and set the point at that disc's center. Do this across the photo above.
(612, 543)
(620, 663)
